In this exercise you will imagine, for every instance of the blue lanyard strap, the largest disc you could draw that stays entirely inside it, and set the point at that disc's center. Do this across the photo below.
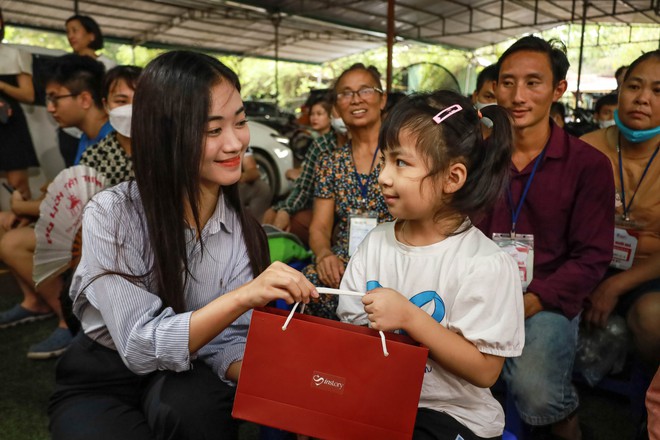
(362, 183)
(626, 209)
(515, 214)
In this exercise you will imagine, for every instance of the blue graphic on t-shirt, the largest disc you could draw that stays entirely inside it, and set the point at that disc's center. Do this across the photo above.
(420, 300)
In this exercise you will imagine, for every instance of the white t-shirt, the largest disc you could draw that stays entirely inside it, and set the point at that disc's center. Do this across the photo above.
(14, 61)
(470, 286)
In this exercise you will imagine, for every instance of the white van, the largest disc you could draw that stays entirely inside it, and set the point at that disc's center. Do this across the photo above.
(271, 150)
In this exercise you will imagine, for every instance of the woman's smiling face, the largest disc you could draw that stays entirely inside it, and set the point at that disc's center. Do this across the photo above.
(359, 111)
(227, 137)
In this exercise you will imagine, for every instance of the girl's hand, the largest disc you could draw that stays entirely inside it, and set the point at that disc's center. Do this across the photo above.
(387, 309)
(603, 301)
(278, 281)
(330, 269)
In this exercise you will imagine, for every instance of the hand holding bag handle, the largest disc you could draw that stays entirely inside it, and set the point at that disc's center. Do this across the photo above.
(329, 291)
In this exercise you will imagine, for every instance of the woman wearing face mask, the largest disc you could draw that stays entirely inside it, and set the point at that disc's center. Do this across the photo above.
(111, 157)
(85, 38)
(294, 214)
(632, 285)
(16, 149)
(346, 192)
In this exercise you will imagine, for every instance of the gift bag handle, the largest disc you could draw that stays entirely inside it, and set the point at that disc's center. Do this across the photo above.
(329, 291)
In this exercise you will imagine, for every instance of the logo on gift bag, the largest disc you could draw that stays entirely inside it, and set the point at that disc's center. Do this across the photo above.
(328, 382)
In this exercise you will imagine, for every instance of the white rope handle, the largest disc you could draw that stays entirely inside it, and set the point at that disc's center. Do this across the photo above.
(329, 291)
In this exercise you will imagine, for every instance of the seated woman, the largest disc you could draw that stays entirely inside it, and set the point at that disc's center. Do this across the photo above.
(347, 195)
(632, 285)
(294, 213)
(171, 267)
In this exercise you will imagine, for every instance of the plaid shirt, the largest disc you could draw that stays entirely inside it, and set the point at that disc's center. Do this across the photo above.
(302, 194)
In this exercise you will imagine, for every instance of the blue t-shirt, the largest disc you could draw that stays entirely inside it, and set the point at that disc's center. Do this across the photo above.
(86, 142)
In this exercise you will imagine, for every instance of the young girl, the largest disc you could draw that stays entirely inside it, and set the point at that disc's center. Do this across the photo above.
(165, 283)
(430, 273)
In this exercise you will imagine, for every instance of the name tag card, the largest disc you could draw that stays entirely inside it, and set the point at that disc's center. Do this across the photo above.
(625, 246)
(521, 248)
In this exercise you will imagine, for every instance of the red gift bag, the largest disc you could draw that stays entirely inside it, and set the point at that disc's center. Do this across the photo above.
(328, 379)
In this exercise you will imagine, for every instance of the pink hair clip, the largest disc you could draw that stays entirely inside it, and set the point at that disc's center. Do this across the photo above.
(444, 114)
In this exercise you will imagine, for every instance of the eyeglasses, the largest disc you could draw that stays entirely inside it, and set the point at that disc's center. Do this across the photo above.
(364, 93)
(53, 99)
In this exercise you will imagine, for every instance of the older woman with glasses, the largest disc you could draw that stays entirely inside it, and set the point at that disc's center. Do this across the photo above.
(347, 199)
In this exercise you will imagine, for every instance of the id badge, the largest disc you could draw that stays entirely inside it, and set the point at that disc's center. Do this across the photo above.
(359, 225)
(625, 245)
(521, 248)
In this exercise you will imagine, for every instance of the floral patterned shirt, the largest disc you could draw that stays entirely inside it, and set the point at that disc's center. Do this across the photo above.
(336, 178)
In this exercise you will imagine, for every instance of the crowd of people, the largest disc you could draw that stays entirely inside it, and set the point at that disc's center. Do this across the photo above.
(476, 225)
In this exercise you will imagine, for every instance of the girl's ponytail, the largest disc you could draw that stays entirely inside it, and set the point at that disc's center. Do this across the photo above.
(496, 159)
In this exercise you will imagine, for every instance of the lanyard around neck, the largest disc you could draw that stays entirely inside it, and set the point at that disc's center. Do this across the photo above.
(516, 213)
(362, 184)
(626, 209)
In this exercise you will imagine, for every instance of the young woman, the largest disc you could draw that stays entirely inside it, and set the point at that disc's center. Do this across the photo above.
(632, 285)
(319, 116)
(171, 266)
(431, 273)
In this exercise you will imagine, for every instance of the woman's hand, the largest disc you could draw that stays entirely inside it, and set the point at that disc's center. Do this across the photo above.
(330, 269)
(604, 299)
(387, 309)
(278, 281)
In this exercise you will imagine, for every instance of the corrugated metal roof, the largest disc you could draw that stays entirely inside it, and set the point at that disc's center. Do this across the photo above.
(321, 30)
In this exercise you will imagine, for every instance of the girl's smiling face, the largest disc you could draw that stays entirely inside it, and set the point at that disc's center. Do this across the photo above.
(227, 138)
(408, 191)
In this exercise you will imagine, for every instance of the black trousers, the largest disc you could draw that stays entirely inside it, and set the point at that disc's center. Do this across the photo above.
(97, 397)
(434, 425)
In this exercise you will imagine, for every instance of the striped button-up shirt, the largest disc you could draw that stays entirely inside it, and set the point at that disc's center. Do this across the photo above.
(129, 317)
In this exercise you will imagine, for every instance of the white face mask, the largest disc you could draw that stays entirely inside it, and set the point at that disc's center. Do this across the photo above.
(338, 125)
(120, 119)
(605, 124)
(479, 105)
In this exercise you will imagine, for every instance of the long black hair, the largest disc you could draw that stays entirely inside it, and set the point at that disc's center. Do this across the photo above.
(170, 113)
(458, 138)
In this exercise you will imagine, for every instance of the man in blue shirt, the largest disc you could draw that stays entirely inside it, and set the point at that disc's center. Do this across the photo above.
(73, 97)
